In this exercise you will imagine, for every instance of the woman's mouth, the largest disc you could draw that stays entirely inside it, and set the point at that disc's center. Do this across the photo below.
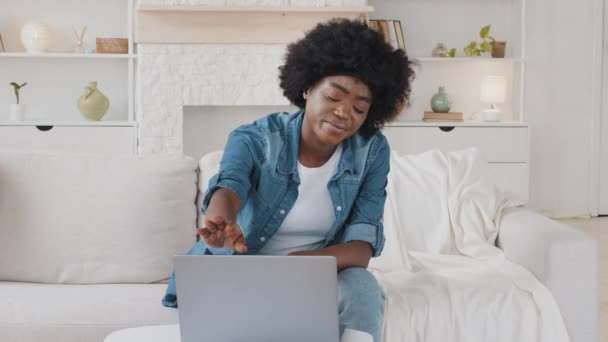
(336, 127)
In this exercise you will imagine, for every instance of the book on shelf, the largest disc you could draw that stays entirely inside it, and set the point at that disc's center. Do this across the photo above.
(391, 31)
(442, 120)
(452, 116)
(399, 32)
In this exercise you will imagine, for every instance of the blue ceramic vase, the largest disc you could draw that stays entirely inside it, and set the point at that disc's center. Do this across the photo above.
(440, 102)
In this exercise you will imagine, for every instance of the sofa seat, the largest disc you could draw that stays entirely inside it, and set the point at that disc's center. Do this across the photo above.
(66, 313)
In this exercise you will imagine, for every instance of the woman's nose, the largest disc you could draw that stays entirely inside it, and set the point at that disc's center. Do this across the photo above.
(342, 111)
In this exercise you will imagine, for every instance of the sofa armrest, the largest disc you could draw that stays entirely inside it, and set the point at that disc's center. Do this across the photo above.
(563, 259)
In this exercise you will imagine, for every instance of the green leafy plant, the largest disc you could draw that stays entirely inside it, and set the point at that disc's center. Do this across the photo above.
(450, 53)
(477, 48)
(18, 87)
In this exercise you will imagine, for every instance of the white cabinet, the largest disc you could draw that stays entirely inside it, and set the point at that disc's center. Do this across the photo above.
(504, 146)
(109, 138)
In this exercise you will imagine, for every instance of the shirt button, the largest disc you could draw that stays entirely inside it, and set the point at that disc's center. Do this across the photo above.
(339, 208)
(282, 212)
(262, 239)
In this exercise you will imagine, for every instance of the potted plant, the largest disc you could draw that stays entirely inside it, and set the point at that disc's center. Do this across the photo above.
(17, 110)
(487, 44)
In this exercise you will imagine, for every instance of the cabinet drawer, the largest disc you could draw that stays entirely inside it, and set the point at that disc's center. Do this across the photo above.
(75, 139)
(497, 144)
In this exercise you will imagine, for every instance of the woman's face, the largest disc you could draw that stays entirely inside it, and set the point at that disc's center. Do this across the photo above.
(336, 107)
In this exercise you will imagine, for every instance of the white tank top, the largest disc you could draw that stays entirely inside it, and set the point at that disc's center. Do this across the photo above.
(312, 216)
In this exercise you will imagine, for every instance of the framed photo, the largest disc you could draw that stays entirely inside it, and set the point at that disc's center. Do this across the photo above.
(1, 44)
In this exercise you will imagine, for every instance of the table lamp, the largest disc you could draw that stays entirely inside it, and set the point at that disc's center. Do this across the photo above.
(493, 92)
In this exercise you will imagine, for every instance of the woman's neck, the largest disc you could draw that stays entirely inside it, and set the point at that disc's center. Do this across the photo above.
(312, 154)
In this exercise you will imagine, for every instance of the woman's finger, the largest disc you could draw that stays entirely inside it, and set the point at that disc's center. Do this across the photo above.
(240, 245)
(203, 232)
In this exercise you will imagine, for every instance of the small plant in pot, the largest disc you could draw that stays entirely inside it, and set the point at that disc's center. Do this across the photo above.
(487, 44)
(17, 110)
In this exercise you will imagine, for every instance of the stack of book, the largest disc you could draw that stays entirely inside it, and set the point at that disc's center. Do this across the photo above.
(391, 30)
(436, 117)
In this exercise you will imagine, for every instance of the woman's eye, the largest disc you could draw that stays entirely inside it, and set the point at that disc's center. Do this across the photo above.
(358, 110)
(332, 99)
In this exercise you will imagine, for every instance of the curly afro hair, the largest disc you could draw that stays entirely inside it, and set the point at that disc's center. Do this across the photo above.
(343, 47)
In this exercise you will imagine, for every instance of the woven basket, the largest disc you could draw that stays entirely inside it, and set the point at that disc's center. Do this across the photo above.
(112, 45)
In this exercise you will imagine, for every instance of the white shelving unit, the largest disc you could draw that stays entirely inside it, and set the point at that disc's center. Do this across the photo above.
(57, 78)
(456, 23)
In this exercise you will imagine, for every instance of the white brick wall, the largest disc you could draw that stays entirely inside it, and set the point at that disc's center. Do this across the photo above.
(171, 76)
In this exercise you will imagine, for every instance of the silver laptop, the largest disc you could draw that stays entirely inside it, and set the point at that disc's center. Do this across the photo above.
(257, 298)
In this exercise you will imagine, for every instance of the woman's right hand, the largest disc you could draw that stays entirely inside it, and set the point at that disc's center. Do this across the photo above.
(218, 233)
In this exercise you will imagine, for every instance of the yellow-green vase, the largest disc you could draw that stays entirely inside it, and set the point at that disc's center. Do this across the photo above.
(93, 104)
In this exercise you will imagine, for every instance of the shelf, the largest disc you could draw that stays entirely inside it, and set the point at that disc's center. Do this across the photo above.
(66, 55)
(258, 9)
(457, 124)
(467, 59)
(69, 123)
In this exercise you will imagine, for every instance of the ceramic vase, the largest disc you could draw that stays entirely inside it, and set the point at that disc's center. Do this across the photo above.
(93, 104)
(35, 37)
(440, 102)
(17, 112)
(440, 51)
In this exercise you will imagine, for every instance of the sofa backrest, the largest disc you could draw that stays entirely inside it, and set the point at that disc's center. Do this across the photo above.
(94, 219)
(439, 203)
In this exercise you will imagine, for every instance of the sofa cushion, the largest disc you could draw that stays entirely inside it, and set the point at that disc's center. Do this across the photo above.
(66, 313)
(88, 219)
(208, 166)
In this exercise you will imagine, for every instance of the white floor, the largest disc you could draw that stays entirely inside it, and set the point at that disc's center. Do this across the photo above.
(598, 228)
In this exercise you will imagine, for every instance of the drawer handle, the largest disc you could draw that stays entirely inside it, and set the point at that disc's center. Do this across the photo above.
(446, 128)
(44, 128)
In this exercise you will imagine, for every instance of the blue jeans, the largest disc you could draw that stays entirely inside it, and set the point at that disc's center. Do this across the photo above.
(360, 297)
(360, 302)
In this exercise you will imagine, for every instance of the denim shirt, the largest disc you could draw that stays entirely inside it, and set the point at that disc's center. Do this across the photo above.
(260, 165)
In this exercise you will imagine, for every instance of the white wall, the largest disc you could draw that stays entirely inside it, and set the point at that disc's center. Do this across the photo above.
(560, 106)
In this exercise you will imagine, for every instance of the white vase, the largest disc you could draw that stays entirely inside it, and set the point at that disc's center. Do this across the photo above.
(17, 112)
(35, 37)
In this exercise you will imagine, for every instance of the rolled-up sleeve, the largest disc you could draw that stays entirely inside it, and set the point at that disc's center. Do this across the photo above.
(236, 166)
(366, 217)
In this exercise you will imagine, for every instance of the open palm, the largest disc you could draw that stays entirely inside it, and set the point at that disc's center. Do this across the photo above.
(217, 233)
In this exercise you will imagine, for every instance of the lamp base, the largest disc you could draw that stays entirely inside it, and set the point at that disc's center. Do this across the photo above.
(491, 115)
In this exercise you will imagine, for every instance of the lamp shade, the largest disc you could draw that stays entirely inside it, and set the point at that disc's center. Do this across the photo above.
(493, 89)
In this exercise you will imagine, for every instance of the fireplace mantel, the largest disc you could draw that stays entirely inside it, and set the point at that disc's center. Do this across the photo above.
(202, 24)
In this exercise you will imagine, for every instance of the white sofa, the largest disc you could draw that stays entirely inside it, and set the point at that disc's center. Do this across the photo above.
(86, 243)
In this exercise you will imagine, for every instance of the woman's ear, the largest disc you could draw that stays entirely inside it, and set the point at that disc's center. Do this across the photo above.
(305, 93)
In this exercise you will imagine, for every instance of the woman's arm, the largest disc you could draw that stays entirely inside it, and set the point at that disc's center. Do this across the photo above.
(221, 230)
(348, 254)
(224, 203)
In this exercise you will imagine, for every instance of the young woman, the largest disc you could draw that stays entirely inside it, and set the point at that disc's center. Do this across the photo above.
(313, 182)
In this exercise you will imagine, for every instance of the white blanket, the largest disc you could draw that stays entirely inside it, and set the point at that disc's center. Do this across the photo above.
(444, 278)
